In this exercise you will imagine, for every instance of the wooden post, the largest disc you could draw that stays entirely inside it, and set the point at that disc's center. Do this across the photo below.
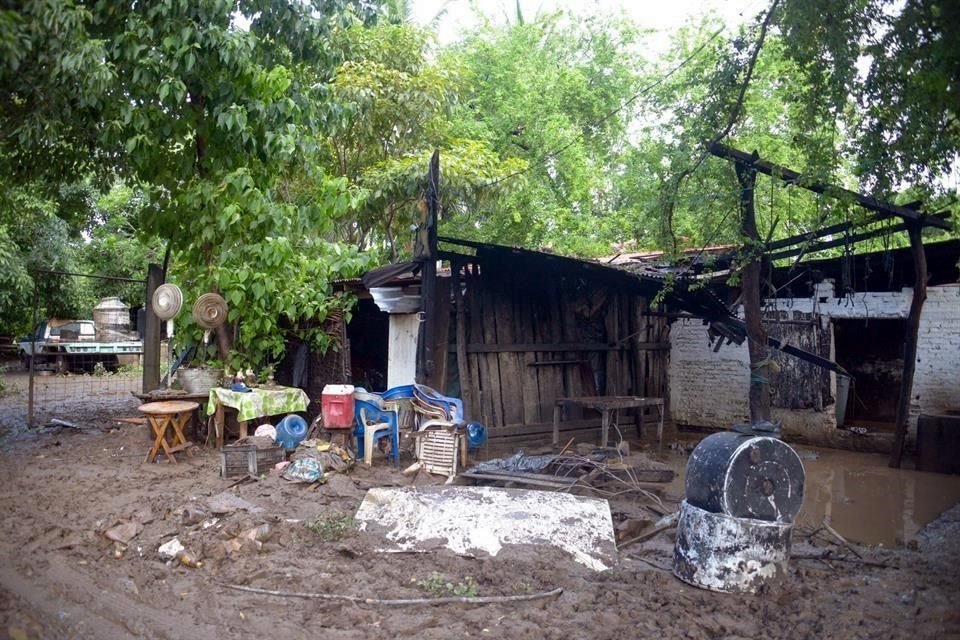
(750, 288)
(428, 275)
(910, 341)
(463, 366)
(151, 333)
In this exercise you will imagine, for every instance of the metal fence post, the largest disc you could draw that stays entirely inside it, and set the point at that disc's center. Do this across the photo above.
(36, 303)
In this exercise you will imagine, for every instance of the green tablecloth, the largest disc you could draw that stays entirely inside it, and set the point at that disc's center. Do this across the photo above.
(259, 402)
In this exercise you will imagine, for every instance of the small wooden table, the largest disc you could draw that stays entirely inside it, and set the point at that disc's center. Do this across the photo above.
(607, 405)
(164, 416)
(257, 403)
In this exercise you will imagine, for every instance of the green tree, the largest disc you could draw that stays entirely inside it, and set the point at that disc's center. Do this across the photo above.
(202, 116)
(554, 93)
(393, 103)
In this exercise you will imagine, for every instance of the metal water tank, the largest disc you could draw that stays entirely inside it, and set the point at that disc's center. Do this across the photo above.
(112, 320)
(746, 476)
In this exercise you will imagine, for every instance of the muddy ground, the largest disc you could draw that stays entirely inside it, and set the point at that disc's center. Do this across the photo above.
(61, 578)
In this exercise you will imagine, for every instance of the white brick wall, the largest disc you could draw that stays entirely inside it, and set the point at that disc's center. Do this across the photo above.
(710, 389)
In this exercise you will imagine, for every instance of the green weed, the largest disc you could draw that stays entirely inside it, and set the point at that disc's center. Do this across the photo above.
(438, 584)
(331, 528)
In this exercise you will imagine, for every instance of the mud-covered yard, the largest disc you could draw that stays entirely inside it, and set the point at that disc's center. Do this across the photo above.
(60, 577)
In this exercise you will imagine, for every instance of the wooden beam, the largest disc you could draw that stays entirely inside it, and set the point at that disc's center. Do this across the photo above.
(885, 209)
(463, 368)
(814, 247)
(563, 346)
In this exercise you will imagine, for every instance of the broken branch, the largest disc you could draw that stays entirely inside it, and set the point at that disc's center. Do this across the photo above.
(398, 602)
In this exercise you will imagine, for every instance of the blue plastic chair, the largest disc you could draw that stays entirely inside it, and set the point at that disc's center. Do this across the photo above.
(403, 392)
(452, 407)
(382, 417)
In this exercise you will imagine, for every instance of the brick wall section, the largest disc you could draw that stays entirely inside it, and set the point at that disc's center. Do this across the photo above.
(709, 388)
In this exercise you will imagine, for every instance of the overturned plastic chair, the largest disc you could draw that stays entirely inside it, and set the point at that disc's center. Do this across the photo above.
(376, 419)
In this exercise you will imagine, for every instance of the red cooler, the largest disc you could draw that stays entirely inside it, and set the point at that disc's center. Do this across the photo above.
(336, 403)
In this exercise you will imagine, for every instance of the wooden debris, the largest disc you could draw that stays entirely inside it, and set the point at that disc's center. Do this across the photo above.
(399, 602)
(667, 522)
(520, 477)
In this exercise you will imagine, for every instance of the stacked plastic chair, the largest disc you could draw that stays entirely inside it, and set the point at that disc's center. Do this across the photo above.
(441, 441)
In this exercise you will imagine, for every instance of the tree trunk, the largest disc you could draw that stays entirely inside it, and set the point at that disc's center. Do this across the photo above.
(750, 292)
(910, 342)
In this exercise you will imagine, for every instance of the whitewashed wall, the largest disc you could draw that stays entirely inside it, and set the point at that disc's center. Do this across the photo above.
(709, 388)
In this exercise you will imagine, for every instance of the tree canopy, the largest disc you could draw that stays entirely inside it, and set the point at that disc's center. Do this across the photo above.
(274, 146)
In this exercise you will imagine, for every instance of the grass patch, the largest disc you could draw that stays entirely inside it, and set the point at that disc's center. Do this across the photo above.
(331, 528)
(440, 585)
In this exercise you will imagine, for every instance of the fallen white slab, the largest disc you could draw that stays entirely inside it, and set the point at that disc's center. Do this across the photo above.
(468, 520)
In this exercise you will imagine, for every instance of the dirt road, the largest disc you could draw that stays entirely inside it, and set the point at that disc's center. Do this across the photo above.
(60, 577)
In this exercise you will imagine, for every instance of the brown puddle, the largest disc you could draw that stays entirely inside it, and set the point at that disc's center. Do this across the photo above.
(865, 500)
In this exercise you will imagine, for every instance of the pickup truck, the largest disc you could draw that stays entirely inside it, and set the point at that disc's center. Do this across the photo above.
(73, 346)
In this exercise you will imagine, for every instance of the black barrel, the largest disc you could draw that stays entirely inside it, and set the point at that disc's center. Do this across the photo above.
(746, 477)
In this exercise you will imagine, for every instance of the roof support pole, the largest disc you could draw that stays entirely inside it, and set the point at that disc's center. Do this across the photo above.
(750, 291)
(910, 341)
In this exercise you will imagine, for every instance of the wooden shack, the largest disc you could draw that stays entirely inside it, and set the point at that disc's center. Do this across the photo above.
(526, 328)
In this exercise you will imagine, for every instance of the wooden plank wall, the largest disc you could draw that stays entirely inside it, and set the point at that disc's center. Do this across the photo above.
(617, 347)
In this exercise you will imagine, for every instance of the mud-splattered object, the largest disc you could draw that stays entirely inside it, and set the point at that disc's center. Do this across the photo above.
(469, 520)
(746, 477)
(737, 555)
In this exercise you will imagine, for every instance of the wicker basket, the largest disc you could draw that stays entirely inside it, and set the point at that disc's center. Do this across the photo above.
(248, 459)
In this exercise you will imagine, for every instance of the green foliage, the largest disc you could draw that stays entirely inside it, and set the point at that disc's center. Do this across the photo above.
(209, 121)
(393, 105)
(331, 528)
(552, 95)
(905, 125)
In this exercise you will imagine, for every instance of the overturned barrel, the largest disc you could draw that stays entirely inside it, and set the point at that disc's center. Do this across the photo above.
(746, 476)
(736, 555)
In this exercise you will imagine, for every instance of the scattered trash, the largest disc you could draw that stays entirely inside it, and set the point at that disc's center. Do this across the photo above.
(170, 549)
(56, 422)
(266, 431)
(470, 519)
(192, 515)
(252, 538)
(517, 462)
(224, 503)
(189, 559)
(303, 470)
(123, 533)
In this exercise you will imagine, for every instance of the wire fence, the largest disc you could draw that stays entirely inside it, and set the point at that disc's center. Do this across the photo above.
(84, 359)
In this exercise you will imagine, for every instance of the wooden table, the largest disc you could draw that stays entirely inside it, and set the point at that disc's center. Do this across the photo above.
(607, 405)
(257, 403)
(164, 416)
